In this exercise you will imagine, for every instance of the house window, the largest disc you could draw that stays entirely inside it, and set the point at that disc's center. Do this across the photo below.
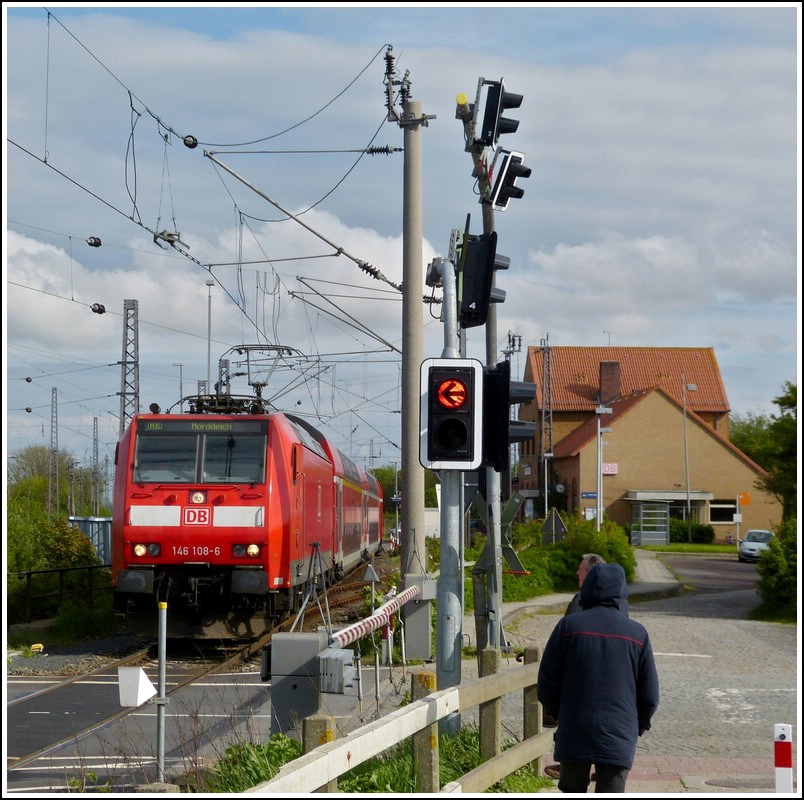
(722, 511)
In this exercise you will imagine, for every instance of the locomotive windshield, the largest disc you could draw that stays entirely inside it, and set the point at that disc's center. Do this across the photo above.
(200, 451)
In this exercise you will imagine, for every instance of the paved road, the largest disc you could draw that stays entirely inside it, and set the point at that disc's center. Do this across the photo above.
(725, 680)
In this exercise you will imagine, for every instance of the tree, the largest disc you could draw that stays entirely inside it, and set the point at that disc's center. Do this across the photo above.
(36, 530)
(773, 443)
(30, 483)
(385, 476)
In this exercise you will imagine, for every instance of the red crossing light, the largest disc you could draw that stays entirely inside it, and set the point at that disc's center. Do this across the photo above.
(451, 414)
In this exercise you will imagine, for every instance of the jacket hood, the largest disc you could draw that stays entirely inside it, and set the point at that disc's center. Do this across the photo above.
(605, 585)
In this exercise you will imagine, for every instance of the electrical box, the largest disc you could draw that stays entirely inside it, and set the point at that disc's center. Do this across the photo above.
(336, 670)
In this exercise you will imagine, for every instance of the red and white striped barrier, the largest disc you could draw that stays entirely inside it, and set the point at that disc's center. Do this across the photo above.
(783, 757)
(379, 618)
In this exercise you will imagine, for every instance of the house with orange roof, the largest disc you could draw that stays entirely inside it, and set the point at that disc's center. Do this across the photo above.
(637, 435)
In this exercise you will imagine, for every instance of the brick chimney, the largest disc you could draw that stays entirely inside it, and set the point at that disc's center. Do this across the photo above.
(609, 381)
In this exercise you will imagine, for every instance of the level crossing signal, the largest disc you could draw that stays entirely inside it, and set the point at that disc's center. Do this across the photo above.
(494, 123)
(451, 414)
(499, 430)
(479, 261)
(505, 176)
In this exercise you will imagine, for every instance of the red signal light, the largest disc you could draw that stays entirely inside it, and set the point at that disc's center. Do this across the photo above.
(451, 413)
(452, 394)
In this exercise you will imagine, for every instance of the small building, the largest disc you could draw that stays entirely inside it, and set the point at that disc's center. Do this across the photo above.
(99, 532)
(647, 427)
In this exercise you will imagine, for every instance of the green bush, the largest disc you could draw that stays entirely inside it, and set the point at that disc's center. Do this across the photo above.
(62, 546)
(76, 621)
(778, 584)
(700, 533)
(554, 567)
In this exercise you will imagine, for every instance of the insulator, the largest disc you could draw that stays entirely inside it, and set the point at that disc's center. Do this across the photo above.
(367, 268)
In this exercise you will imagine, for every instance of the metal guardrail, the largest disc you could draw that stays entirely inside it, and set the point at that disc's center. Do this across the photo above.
(320, 767)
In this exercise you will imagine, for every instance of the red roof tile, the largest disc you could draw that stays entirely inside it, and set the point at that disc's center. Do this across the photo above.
(576, 375)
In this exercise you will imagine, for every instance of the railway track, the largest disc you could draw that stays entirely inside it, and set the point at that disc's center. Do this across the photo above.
(74, 707)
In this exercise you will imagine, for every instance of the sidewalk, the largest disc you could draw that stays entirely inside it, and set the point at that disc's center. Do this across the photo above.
(652, 580)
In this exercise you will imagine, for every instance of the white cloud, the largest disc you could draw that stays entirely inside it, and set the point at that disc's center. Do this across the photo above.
(661, 209)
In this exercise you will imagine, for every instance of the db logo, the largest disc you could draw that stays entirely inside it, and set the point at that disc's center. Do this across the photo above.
(197, 516)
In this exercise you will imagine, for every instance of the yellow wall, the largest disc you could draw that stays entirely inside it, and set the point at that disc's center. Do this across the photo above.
(647, 444)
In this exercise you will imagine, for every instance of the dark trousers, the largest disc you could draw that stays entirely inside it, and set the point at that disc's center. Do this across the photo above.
(609, 778)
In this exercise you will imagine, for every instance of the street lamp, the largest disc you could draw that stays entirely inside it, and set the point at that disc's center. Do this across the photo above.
(546, 461)
(210, 284)
(600, 431)
(687, 387)
(181, 387)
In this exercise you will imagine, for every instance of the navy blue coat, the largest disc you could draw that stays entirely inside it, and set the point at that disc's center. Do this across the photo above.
(597, 675)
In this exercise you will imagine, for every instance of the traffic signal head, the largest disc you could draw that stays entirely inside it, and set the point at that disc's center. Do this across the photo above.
(494, 124)
(505, 177)
(451, 414)
(499, 431)
(478, 263)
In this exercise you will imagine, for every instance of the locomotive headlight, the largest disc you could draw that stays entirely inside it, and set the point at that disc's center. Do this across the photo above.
(243, 550)
(141, 550)
(198, 497)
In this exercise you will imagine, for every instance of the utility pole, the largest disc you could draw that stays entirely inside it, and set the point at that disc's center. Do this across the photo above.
(417, 622)
(685, 387)
(53, 491)
(210, 284)
(96, 481)
(181, 384)
(601, 409)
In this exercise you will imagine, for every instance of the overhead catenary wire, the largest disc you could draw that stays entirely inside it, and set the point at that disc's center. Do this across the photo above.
(364, 265)
(131, 177)
(172, 129)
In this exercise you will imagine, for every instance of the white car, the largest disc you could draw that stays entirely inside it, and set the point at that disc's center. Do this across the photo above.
(754, 544)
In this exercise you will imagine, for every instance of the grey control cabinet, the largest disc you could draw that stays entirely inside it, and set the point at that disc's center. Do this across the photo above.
(294, 679)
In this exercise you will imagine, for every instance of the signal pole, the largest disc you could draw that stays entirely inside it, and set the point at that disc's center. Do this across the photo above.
(481, 132)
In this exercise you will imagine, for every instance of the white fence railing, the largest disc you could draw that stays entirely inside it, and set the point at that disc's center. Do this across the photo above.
(319, 768)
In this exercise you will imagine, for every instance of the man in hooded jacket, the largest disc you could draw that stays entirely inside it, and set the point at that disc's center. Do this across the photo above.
(598, 678)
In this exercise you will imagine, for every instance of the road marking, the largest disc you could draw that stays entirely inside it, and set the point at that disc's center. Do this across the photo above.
(684, 655)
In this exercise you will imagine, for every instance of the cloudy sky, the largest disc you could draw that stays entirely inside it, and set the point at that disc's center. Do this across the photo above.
(662, 209)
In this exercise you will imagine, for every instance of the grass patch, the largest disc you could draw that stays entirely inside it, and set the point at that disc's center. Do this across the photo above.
(765, 613)
(685, 547)
(72, 624)
(245, 765)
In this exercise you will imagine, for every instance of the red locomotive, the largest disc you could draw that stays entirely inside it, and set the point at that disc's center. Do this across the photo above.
(225, 516)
